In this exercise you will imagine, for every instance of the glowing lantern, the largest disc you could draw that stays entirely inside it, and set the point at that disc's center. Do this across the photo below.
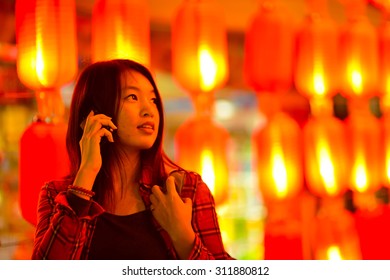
(43, 158)
(199, 64)
(202, 146)
(121, 29)
(269, 48)
(279, 158)
(325, 150)
(384, 41)
(46, 60)
(199, 46)
(359, 53)
(335, 235)
(46, 41)
(317, 53)
(365, 149)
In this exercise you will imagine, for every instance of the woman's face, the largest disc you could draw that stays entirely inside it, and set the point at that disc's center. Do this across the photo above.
(138, 117)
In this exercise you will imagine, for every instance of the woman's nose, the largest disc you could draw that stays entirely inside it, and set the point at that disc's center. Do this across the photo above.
(147, 109)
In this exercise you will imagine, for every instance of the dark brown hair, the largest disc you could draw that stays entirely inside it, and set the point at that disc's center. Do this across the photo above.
(98, 88)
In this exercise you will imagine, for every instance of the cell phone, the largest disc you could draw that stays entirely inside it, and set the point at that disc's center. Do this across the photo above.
(104, 139)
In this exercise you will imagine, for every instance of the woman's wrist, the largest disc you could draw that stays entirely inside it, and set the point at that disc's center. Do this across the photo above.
(81, 192)
(84, 179)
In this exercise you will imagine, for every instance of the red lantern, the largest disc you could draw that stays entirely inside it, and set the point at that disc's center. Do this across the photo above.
(269, 48)
(365, 150)
(46, 41)
(279, 158)
(199, 64)
(384, 41)
(46, 60)
(202, 146)
(335, 235)
(359, 53)
(316, 72)
(326, 157)
(199, 46)
(121, 29)
(43, 158)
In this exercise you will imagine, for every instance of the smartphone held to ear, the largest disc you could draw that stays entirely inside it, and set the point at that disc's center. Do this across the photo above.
(104, 138)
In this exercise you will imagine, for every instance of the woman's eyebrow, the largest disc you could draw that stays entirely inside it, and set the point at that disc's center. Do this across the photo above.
(135, 88)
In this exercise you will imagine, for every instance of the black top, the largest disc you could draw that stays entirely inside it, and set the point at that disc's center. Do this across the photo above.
(131, 237)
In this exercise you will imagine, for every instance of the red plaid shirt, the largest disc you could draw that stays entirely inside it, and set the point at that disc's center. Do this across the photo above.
(66, 223)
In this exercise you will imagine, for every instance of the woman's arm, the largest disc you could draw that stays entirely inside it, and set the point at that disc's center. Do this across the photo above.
(63, 220)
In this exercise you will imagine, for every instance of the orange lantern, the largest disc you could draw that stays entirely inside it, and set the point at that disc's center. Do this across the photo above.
(199, 46)
(365, 148)
(279, 158)
(384, 44)
(317, 53)
(121, 29)
(46, 41)
(335, 236)
(199, 64)
(46, 60)
(359, 53)
(325, 156)
(202, 146)
(269, 48)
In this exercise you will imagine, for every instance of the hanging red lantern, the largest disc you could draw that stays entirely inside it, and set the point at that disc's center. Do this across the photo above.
(335, 235)
(317, 62)
(359, 53)
(365, 149)
(279, 158)
(201, 145)
(121, 29)
(384, 48)
(199, 65)
(43, 158)
(46, 41)
(269, 48)
(326, 157)
(46, 60)
(199, 47)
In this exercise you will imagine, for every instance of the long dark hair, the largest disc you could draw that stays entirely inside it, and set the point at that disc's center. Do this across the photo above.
(98, 88)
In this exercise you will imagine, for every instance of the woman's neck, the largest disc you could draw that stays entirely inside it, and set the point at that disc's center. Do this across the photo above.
(128, 172)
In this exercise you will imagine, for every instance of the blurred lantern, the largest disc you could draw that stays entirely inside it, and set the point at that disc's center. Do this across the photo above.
(279, 158)
(366, 150)
(360, 60)
(269, 48)
(268, 69)
(316, 78)
(199, 46)
(46, 60)
(43, 158)
(335, 236)
(121, 29)
(325, 151)
(359, 53)
(201, 145)
(384, 47)
(317, 62)
(199, 64)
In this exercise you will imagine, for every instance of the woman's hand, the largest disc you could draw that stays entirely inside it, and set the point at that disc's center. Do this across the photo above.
(174, 214)
(95, 127)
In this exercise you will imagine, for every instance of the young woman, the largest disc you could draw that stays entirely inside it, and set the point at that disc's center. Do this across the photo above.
(124, 198)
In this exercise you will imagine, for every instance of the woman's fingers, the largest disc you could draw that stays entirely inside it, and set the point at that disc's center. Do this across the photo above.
(171, 186)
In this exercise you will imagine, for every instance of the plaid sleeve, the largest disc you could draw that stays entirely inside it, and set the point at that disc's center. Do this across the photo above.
(61, 233)
(208, 241)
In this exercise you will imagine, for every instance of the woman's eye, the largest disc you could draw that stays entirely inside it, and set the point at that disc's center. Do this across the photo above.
(132, 97)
